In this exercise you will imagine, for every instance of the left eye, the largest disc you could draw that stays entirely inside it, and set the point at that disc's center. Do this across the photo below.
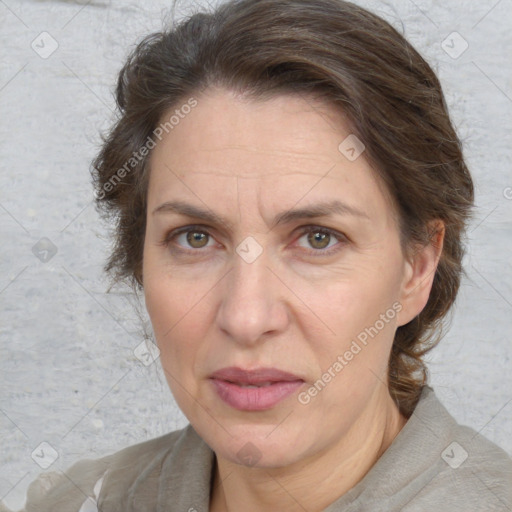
(320, 239)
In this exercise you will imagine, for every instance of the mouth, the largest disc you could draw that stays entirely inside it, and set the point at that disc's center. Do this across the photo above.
(252, 386)
(254, 390)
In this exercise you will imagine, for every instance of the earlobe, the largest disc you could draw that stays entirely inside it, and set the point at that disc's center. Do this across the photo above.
(420, 269)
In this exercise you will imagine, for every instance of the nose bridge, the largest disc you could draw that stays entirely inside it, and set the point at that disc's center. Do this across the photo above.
(250, 306)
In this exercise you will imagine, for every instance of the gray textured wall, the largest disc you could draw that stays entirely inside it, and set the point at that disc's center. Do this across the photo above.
(69, 371)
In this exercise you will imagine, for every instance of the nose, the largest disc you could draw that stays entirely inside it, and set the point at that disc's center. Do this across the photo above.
(253, 305)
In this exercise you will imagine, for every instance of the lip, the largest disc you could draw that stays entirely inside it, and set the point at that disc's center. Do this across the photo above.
(275, 386)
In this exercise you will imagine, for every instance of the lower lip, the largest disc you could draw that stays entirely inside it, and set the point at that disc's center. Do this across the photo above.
(255, 399)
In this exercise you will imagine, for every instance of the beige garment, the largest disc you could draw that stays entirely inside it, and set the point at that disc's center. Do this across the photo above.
(433, 464)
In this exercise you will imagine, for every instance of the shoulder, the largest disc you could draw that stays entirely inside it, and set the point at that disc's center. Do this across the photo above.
(473, 472)
(68, 491)
(470, 471)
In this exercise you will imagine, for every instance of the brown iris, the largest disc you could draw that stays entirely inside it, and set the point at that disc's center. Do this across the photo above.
(318, 237)
(197, 237)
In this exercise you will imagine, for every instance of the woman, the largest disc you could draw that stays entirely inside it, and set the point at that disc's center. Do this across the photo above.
(291, 197)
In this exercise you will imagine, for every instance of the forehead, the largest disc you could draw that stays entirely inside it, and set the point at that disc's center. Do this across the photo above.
(280, 126)
(287, 145)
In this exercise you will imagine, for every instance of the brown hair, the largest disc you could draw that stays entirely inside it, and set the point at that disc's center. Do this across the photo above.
(351, 58)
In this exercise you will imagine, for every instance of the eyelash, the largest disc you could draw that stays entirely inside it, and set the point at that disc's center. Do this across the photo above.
(169, 237)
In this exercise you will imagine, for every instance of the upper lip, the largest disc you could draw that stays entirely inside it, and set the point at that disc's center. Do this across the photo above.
(255, 376)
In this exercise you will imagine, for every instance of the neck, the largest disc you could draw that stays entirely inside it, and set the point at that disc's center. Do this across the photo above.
(312, 483)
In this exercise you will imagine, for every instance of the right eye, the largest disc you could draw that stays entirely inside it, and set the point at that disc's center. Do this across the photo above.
(188, 238)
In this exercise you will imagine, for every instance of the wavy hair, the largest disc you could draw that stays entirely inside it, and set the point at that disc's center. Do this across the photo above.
(342, 53)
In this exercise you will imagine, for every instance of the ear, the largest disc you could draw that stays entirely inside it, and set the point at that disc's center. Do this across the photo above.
(419, 271)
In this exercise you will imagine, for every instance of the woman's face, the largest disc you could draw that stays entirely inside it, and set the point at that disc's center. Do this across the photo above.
(268, 282)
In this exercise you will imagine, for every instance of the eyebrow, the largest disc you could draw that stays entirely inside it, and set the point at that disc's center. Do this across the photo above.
(325, 209)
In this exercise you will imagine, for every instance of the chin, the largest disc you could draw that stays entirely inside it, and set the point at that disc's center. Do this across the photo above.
(252, 445)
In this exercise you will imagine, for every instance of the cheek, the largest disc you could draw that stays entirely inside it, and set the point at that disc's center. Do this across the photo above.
(360, 315)
(165, 310)
(160, 304)
(350, 303)
(168, 298)
(177, 349)
(180, 316)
